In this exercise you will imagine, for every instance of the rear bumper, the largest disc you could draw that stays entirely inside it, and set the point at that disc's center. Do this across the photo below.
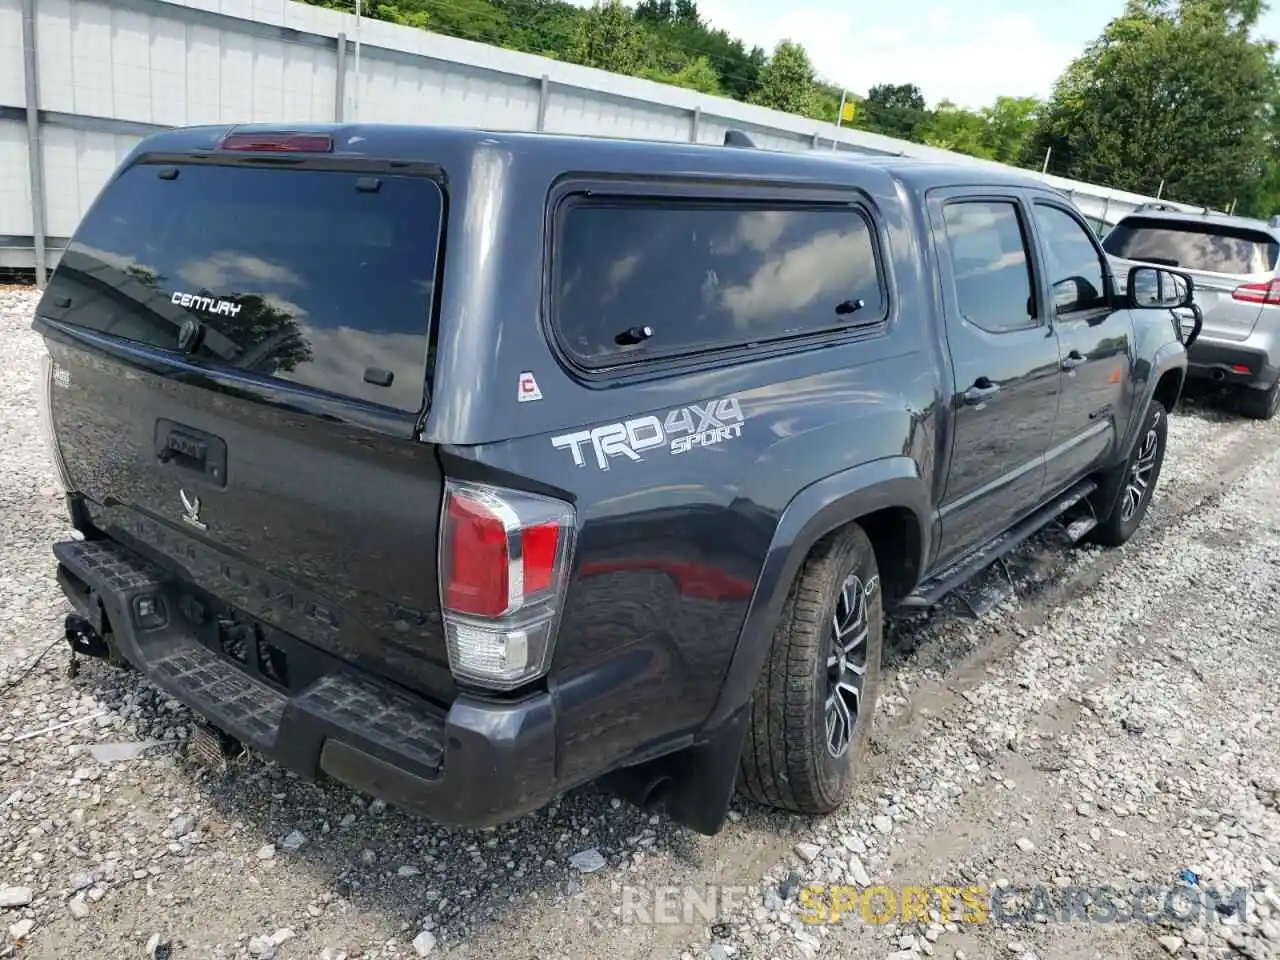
(478, 763)
(1254, 362)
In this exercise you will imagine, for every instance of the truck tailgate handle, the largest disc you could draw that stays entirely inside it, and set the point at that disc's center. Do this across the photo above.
(195, 451)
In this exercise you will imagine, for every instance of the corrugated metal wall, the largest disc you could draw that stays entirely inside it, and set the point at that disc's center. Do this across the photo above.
(106, 74)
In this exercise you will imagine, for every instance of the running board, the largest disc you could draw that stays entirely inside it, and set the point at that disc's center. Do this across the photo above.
(932, 590)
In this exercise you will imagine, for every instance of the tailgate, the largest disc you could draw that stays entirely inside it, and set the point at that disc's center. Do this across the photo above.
(1226, 318)
(242, 357)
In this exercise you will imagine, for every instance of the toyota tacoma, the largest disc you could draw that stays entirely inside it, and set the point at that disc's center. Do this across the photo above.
(467, 467)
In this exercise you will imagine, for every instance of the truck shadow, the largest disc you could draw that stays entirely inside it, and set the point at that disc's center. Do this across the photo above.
(1206, 401)
(396, 868)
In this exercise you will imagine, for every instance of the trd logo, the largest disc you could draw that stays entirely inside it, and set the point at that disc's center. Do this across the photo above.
(683, 429)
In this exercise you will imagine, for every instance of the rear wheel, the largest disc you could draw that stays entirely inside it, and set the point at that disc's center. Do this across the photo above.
(1138, 477)
(1260, 404)
(812, 707)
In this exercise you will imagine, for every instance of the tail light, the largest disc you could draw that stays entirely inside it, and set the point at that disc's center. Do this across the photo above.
(48, 371)
(504, 564)
(1264, 293)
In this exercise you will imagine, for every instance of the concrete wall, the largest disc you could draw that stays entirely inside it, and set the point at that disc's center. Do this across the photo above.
(106, 74)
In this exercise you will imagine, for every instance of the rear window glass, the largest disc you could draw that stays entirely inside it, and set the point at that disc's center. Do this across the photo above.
(1192, 246)
(295, 274)
(648, 278)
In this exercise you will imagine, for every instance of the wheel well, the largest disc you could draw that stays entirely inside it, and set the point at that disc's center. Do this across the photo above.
(1168, 389)
(895, 536)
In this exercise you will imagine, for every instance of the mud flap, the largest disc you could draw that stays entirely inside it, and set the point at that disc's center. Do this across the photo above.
(694, 785)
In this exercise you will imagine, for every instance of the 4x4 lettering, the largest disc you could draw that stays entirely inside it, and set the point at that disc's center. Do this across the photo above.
(717, 421)
(679, 421)
(707, 419)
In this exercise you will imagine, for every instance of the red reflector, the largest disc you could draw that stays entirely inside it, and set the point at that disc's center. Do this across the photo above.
(1239, 368)
(278, 142)
(1264, 293)
(538, 546)
(478, 562)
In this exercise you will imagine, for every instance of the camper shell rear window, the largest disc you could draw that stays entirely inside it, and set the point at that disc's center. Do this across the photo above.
(322, 278)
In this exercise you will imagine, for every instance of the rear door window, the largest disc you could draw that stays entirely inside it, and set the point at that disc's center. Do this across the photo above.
(1207, 247)
(656, 278)
(320, 278)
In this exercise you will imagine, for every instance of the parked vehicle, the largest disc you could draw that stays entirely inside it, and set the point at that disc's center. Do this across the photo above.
(466, 467)
(1233, 263)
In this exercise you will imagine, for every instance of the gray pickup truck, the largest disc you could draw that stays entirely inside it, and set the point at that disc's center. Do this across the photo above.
(467, 467)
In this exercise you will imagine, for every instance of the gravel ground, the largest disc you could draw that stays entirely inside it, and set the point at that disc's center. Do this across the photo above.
(1115, 724)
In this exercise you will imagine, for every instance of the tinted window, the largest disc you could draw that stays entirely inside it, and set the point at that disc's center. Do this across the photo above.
(989, 259)
(1193, 246)
(1098, 226)
(702, 276)
(1073, 267)
(295, 274)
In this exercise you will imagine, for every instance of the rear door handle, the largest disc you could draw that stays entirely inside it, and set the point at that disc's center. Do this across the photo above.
(1073, 360)
(981, 391)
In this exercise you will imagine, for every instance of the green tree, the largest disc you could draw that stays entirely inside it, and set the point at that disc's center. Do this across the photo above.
(697, 75)
(954, 128)
(655, 11)
(410, 13)
(786, 81)
(1010, 127)
(1178, 93)
(677, 37)
(895, 110)
(609, 37)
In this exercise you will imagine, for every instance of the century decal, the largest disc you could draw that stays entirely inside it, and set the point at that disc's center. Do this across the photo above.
(208, 304)
(681, 430)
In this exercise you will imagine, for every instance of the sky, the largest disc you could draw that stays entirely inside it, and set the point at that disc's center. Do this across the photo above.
(967, 51)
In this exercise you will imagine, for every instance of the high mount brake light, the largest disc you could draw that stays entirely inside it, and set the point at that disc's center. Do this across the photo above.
(504, 563)
(278, 142)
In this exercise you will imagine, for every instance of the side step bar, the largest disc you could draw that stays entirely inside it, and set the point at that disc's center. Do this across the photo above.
(932, 590)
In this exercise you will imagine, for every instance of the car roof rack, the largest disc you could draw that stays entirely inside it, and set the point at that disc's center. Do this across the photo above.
(736, 138)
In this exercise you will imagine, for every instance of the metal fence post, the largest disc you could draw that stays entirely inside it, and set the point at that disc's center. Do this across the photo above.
(340, 83)
(694, 123)
(544, 91)
(35, 155)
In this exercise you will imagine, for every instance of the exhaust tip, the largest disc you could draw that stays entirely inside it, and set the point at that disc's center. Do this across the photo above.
(1218, 375)
(655, 793)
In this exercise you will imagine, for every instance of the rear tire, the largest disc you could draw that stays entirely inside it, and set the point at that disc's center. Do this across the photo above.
(802, 747)
(1137, 478)
(1260, 404)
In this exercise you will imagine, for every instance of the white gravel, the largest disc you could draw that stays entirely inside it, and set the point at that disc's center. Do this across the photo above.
(1115, 724)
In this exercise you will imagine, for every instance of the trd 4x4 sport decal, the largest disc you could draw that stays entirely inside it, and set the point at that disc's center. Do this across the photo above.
(682, 430)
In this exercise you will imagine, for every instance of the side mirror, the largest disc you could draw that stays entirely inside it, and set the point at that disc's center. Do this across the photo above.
(1071, 292)
(1156, 288)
